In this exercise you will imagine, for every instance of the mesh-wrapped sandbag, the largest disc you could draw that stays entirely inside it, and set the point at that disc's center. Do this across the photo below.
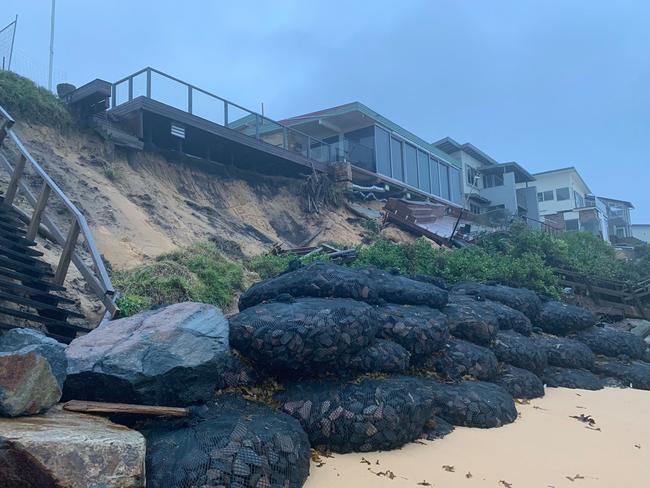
(306, 336)
(231, 442)
(474, 404)
(420, 330)
(323, 279)
(567, 353)
(520, 383)
(471, 320)
(437, 428)
(571, 378)
(526, 301)
(560, 318)
(381, 357)
(521, 351)
(613, 342)
(461, 359)
(360, 416)
(503, 316)
(633, 373)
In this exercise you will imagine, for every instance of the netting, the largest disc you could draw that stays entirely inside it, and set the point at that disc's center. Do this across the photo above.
(520, 383)
(307, 336)
(364, 415)
(471, 320)
(560, 319)
(231, 442)
(567, 353)
(526, 301)
(437, 428)
(521, 351)
(571, 378)
(613, 342)
(381, 357)
(323, 279)
(474, 404)
(460, 359)
(632, 373)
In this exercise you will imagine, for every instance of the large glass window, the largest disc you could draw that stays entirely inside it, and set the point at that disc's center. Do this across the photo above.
(579, 199)
(545, 196)
(435, 177)
(562, 194)
(492, 180)
(359, 146)
(444, 181)
(411, 165)
(454, 184)
(424, 172)
(397, 162)
(382, 151)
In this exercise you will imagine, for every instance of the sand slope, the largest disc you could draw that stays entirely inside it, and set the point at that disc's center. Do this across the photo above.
(543, 449)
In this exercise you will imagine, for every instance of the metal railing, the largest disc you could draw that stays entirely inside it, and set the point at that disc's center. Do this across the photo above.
(96, 275)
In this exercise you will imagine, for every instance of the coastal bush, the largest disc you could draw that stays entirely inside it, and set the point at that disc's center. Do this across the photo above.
(270, 265)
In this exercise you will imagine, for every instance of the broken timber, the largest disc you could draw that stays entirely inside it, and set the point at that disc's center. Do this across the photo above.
(112, 408)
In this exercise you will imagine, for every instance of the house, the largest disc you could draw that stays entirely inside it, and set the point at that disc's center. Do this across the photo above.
(641, 232)
(618, 217)
(492, 187)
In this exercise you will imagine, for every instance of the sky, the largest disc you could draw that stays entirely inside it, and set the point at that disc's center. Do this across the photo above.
(548, 84)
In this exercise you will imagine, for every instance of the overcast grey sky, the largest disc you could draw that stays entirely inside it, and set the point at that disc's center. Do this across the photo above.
(545, 83)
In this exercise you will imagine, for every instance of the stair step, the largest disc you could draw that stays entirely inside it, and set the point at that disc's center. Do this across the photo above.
(18, 239)
(36, 269)
(11, 229)
(28, 280)
(33, 293)
(40, 319)
(58, 337)
(18, 247)
(23, 257)
(38, 305)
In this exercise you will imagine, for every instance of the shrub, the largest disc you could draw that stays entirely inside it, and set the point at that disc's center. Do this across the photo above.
(270, 265)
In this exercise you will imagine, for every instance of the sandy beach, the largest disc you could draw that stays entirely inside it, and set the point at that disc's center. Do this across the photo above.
(546, 448)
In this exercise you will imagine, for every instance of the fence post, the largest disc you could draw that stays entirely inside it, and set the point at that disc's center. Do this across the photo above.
(113, 95)
(32, 230)
(225, 113)
(308, 147)
(66, 254)
(257, 127)
(148, 83)
(285, 138)
(189, 98)
(12, 188)
(130, 89)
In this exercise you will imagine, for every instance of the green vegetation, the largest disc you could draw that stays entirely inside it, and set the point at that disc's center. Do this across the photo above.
(24, 100)
(199, 273)
(269, 265)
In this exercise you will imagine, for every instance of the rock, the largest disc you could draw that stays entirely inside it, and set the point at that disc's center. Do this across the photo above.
(571, 378)
(323, 279)
(520, 383)
(526, 301)
(309, 336)
(470, 320)
(437, 428)
(567, 353)
(28, 340)
(633, 373)
(64, 449)
(174, 356)
(461, 359)
(381, 357)
(561, 319)
(613, 342)
(229, 442)
(641, 329)
(520, 351)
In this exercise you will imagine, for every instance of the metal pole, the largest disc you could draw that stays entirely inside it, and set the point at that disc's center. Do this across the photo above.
(49, 80)
(13, 39)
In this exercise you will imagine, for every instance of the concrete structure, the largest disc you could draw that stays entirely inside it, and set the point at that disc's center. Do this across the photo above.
(641, 232)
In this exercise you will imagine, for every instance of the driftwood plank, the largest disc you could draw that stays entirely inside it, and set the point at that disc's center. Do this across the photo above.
(102, 407)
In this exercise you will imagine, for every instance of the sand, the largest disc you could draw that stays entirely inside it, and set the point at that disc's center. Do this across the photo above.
(544, 448)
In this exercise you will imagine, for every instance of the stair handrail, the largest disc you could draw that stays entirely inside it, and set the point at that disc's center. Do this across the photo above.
(98, 280)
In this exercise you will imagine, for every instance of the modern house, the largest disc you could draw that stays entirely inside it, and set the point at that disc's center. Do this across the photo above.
(618, 217)
(492, 187)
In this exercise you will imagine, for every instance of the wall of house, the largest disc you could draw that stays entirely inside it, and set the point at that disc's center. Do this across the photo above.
(527, 197)
(505, 194)
(468, 161)
(553, 181)
(641, 232)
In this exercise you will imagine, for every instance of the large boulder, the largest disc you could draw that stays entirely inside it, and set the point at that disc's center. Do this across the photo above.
(176, 355)
(228, 442)
(381, 357)
(64, 449)
(323, 279)
(560, 318)
(520, 351)
(307, 336)
(571, 378)
(420, 330)
(635, 374)
(526, 301)
(567, 353)
(471, 320)
(520, 383)
(364, 415)
(612, 342)
(462, 360)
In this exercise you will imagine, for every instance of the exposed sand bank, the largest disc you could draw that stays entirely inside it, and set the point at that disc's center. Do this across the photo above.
(543, 448)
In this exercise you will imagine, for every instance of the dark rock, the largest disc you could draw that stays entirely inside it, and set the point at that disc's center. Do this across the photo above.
(471, 320)
(364, 415)
(520, 383)
(437, 428)
(323, 279)
(526, 301)
(567, 353)
(175, 355)
(633, 373)
(474, 404)
(381, 357)
(521, 351)
(613, 342)
(461, 359)
(307, 337)
(229, 442)
(571, 378)
(561, 319)
(420, 330)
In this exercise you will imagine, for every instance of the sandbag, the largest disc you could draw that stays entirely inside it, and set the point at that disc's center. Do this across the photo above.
(633, 373)
(461, 359)
(526, 301)
(505, 317)
(520, 351)
(381, 357)
(420, 330)
(360, 416)
(474, 404)
(520, 383)
(229, 442)
(437, 428)
(613, 342)
(471, 320)
(571, 378)
(322, 279)
(567, 353)
(561, 319)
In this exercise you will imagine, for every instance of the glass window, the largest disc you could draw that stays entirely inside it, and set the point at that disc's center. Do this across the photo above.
(562, 194)
(411, 165)
(454, 184)
(472, 176)
(492, 180)
(545, 196)
(444, 181)
(382, 150)
(572, 224)
(579, 199)
(435, 177)
(424, 173)
(474, 208)
(397, 163)
(359, 146)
